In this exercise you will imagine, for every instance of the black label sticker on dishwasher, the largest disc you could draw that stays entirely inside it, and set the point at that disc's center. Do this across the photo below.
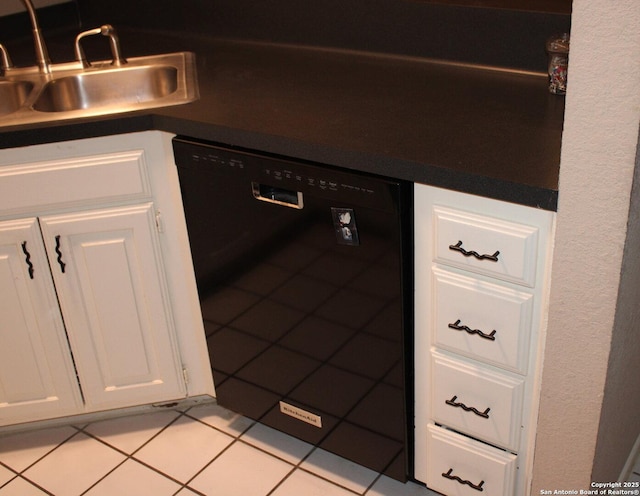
(344, 223)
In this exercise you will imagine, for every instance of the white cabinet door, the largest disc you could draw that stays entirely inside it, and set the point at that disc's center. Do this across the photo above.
(476, 400)
(107, 269)
(482, 320)
(461, 466)
(37, 379)
(486, 245)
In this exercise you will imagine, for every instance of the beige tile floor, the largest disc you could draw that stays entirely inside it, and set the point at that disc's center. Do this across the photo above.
(204, 450)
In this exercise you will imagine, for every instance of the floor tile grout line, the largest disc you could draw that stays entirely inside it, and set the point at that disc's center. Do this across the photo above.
(107, 444)
(158, 471)
(235, 439)
(2, 464)
(130, 456)
(26, 479)
(15, 475)
(210, 462)
(240, 439)
(100, 479)
(219, 429)
(21, 472)
(373, 483)
(281, 481)
(191, 489)
(298, 466)
(305, 458)
(103, 441)
(266, 452)
(294, 466)
(308, 471)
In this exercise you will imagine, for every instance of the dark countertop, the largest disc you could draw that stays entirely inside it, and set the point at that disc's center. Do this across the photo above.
(484, 131)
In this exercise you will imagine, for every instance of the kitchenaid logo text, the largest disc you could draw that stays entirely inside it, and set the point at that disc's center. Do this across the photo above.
(300, 414)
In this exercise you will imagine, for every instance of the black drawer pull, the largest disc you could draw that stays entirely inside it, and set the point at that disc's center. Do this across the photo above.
(27, 259)
(458, 247)
(461, 481)
(466, 408)
(62, 264)
(456, 325)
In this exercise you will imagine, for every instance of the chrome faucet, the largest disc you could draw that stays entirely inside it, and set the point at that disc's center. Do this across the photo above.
(44, 62)
(104, 30)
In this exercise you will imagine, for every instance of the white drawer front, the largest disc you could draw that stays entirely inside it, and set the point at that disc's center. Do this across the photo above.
(486, 245)
(467, 311)
(455, 464)
(477, 401)
(65, 183)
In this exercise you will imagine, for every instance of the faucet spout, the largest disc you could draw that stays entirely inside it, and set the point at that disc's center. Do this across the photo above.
(42, 55)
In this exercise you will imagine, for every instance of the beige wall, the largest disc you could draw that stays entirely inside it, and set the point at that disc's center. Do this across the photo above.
(597, 166)
(13, 6)
(620, 419)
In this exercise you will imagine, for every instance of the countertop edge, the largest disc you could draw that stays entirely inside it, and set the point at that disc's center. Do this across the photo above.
(154, 119)
(406, 170)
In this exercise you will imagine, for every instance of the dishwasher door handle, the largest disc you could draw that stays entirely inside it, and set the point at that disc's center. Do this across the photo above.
(279, 196)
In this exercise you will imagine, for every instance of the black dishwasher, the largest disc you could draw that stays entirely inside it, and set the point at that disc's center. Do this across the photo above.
(305, 289)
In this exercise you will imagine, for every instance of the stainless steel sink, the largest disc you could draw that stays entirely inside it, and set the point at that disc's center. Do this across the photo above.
(72, 91)
(13, 95)
(120, 87)
(50, 92)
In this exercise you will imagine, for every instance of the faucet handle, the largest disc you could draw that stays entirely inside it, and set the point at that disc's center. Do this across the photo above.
(5, 60)
(114, 41)
(104, 30)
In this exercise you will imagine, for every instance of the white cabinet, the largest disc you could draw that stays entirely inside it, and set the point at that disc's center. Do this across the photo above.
(37, 378)
(110, 283)
(481, 287)
(98, 302)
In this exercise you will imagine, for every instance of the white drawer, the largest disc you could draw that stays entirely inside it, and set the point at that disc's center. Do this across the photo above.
(477, 401)
(70, 182)
(455, 464)
(482, 320)
(486, 245)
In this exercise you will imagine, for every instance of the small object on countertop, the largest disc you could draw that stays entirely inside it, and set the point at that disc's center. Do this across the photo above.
(558, 51)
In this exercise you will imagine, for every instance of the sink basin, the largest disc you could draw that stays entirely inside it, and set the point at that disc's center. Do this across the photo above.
(13, 94)
(74, 91)
(117, 87)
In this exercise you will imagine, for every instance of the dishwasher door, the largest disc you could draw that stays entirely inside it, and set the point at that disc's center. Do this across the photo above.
(303, 290)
